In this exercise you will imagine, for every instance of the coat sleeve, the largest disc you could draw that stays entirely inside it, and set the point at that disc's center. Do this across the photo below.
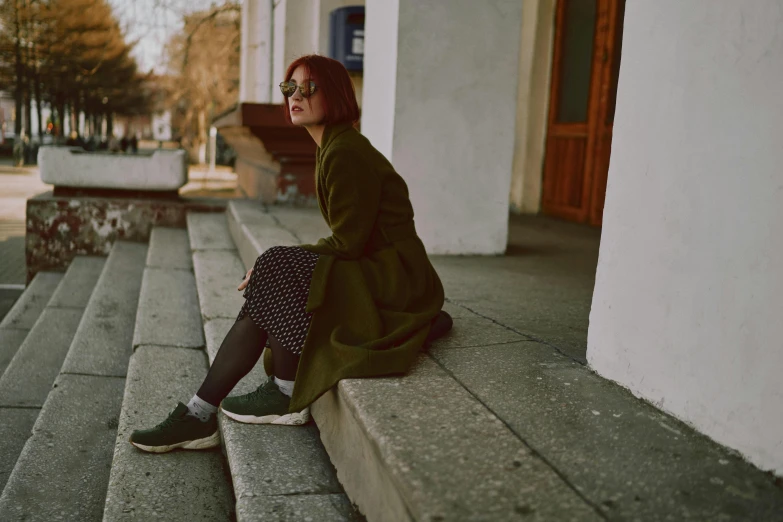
(353, 199)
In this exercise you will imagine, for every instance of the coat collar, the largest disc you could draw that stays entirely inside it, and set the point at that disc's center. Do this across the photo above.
(330, 133)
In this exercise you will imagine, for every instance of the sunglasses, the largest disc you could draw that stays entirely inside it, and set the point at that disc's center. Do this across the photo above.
(307, 89)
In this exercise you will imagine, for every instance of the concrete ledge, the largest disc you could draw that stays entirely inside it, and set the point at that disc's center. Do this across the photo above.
(169, 248)
(63, 469)
(24, 313)
(102, 344)
(29, 376)
(629, 459)
(420, 447)
(78, 283)
(29, 306)
(306, 224)
(209, 231)
(60, 228)
(254, 230)
(315, 508)
(10, 341)
(73, 167)
(180, 485)
(16, 426)
(168, 312)
(218, 274)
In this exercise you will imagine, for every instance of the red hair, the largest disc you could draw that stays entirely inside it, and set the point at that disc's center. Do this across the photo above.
(331, 77)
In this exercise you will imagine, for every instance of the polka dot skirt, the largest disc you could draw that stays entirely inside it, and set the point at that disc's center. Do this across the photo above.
(276, 295)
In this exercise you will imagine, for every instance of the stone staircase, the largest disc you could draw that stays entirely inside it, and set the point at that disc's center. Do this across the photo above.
(113, 344)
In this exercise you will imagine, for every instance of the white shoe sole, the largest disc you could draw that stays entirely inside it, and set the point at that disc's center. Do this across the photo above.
(289, 419)
(198, 444)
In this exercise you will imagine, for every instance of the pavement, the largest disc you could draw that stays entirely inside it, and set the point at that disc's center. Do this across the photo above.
(16, 186)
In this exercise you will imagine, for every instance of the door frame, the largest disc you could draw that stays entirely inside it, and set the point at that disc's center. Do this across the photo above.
(597, 110)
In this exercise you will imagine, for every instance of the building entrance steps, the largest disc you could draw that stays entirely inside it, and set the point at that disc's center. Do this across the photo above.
(502, 417)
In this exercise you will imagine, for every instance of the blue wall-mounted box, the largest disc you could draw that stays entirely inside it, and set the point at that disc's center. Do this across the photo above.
(346, 37)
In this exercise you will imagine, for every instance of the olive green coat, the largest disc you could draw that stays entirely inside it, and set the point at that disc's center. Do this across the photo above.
(374, 290)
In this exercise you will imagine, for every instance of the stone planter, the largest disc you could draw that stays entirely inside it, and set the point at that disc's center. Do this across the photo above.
(162, 170)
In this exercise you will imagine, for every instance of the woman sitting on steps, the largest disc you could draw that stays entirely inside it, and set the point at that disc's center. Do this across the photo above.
(360, 303)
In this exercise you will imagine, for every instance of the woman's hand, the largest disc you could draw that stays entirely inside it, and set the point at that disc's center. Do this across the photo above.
(245, 281)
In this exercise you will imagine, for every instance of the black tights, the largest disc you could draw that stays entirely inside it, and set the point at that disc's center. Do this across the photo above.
(239, 352)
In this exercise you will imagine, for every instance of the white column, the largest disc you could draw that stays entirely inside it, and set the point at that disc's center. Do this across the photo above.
(440, 91)
(295, 34)
(689, 290)
(255, 56)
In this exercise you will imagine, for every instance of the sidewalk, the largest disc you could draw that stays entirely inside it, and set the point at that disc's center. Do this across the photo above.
(518, 347)
(16, 185)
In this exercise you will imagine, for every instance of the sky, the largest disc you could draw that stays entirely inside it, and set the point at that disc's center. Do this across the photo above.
(153, 22)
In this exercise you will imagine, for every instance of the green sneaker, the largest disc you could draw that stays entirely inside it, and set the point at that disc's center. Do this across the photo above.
(266, 405)
(179, 430)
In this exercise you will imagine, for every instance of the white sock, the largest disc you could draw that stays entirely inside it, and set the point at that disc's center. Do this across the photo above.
(287, 387)
(201, 409)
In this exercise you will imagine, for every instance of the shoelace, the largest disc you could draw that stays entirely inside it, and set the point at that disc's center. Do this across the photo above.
(264, 389)
(168, 421)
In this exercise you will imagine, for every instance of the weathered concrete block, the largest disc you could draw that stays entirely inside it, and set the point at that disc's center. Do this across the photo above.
(73, 167)
(169, 248)
(180, 485)
(76, 287)
(29, 376)
(60, 228)
(103, 342)
(421, 447)
(168, 312)
(63, 470)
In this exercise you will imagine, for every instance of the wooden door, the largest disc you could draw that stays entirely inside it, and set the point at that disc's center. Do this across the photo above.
(588, 35)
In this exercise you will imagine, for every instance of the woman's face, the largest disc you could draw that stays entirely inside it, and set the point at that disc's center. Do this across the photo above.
(302, 112)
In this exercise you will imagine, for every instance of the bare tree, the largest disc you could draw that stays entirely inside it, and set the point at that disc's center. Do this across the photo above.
(204, 70)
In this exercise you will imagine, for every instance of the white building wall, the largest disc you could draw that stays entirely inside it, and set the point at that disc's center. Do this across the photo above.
(451, 132)
(689, 289)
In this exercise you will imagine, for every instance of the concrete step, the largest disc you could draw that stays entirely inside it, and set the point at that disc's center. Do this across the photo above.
(168, 365)
(278, 472)
(29, 377)
(495, 424)
(106, 331)
(63, 469)
(24, 313)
